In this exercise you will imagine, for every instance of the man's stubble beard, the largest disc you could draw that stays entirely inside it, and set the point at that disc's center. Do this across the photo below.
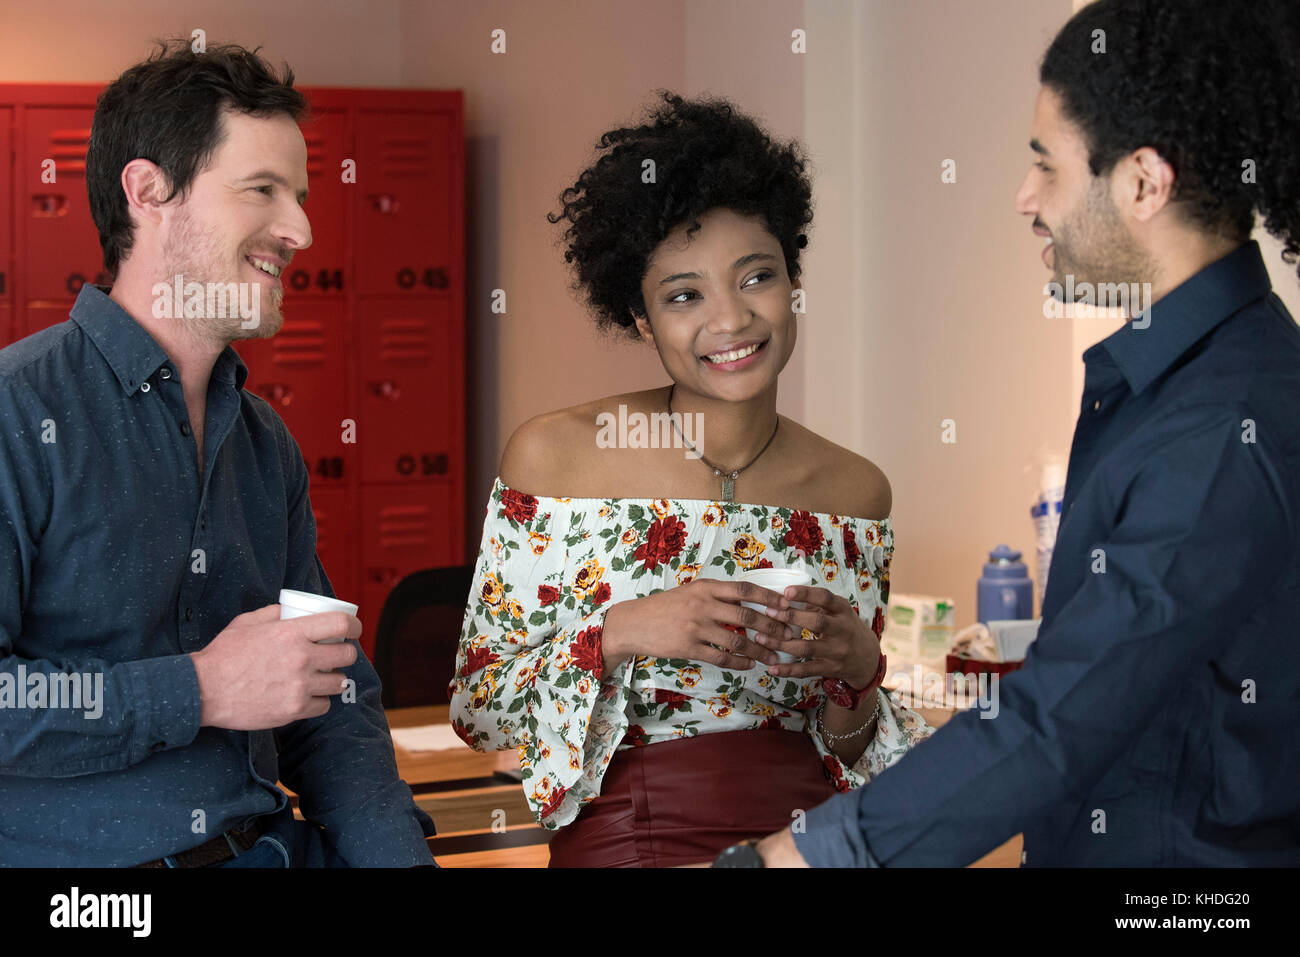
(1094, 247)
(192, 252)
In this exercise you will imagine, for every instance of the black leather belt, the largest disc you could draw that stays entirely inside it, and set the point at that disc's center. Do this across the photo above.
(221, 848)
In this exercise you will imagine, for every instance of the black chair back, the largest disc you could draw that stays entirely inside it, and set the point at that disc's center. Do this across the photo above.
(419, 630)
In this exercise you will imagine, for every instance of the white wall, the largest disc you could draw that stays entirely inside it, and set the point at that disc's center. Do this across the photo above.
(742, 50)
(572, 70)
(532, 116)
(327, 42)
(926, 297)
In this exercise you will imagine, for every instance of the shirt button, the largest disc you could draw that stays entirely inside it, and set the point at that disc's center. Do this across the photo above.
(185, 428)
(165, 372)
(1096, 405)
(144, 386)
(189, 614)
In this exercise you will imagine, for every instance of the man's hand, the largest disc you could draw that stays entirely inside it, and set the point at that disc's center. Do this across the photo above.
(261, 672)
(779, 850)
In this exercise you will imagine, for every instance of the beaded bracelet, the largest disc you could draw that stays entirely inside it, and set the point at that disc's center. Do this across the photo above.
(832, 739)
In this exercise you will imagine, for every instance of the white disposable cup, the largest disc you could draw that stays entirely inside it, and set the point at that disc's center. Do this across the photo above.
(298, 604)
(777, 580)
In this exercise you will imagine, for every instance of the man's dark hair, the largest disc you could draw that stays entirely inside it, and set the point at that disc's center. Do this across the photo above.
(1209, 85)
(168, 110)
(707, 155)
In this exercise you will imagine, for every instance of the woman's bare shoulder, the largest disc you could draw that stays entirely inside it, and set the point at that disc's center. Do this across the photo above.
(536, 456)
(847, 483)
(550, 453)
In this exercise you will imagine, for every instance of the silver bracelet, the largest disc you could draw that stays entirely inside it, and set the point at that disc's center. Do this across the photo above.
(840, 738)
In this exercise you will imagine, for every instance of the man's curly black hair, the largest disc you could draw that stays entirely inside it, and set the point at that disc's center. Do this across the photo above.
(707, 154)
(1208, 84)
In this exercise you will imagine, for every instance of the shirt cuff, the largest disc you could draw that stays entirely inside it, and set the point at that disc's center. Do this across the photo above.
(830, 836)
(165, 698)
(393, 836)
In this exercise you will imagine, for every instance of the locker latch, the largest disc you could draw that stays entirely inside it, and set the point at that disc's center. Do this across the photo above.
(386, 389)
(49, 205)
(279, 393)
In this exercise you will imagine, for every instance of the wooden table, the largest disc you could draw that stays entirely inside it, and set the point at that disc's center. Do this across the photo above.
(484, 821)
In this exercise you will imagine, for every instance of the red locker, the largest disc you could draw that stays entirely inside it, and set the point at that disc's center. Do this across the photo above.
(302, 372)
(403, 529)
(405, 215)
(40, 315)
(335, 544)
(6, 216)
(374, 326)
(322, 268)
(61, 250)
(410, 405)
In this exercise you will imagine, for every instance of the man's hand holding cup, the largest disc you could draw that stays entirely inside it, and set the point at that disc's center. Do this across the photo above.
(277, 664)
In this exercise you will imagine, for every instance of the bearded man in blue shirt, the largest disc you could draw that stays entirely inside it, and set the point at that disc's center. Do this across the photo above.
(1162, 695)
(151, 510)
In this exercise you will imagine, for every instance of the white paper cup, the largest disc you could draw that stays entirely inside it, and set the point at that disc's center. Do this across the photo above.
(777, 580)
(298, 604)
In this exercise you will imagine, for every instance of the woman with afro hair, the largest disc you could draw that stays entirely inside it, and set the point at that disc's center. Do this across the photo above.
(609, 636)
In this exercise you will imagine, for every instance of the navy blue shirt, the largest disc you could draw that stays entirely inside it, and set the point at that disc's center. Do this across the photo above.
(1156, 720)
(118, 559)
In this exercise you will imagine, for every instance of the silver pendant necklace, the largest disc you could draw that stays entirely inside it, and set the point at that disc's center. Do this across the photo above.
(728, 476)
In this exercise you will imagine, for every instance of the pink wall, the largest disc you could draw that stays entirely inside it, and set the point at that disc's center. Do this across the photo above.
(327, 42)
(532, 115)
(924, 298)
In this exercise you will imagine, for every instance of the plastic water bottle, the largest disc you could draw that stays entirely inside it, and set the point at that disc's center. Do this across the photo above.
(1046, 513)
(1005, 592)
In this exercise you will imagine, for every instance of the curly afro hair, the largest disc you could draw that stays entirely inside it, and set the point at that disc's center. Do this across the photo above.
(706, 155)
(1209, 84)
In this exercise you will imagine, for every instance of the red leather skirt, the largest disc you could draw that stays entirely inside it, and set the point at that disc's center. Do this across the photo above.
(683, 801)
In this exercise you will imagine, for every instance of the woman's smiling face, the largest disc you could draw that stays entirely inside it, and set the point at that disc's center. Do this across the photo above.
(718, 306)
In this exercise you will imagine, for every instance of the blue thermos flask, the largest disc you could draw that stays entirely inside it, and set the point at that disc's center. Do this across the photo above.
(1005, 593)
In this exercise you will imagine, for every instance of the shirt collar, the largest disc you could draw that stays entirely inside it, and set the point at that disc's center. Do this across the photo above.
(130, 351)
(1185, 315)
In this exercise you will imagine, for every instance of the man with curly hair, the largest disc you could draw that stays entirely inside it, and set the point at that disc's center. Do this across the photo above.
(1154, 720)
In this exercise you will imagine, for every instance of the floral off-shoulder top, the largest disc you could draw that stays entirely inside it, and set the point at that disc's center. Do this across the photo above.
(529, 672)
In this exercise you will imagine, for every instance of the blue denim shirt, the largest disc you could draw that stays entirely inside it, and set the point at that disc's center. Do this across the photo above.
(1156, 721)
(118, 559)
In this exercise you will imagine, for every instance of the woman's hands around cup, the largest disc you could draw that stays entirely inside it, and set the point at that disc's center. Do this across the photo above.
(702, 620)
(844, 647)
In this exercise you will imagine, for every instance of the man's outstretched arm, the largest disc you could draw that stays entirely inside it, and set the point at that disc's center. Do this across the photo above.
(1201, 503)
